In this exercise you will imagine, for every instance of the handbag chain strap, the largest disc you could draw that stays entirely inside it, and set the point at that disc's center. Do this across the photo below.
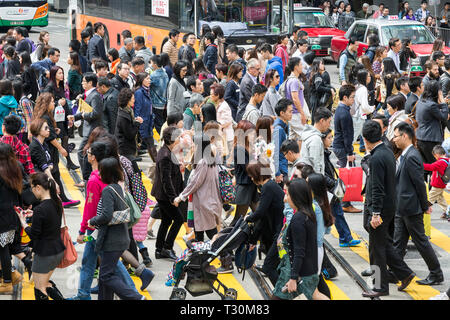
(119, 196)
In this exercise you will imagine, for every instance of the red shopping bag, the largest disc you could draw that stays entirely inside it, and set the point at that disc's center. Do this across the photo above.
(353, 180)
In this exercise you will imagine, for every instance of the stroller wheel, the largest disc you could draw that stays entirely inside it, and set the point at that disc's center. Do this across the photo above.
(178, 294)
(230, 294)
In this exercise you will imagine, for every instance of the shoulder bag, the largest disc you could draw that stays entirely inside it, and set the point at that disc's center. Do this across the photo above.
(70, 254)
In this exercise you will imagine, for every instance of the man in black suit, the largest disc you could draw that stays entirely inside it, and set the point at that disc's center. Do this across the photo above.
(248, 81)
(96, 45)
(416, 86)
(380, 196)
(412, 203)
(91, 120)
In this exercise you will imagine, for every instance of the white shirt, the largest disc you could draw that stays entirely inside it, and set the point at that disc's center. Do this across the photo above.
(396, 58)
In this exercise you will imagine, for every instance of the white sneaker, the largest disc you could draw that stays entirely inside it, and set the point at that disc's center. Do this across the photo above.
(187, 237)
(441, 296)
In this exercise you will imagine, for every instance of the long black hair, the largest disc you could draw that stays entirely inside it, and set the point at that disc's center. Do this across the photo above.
(318, 185)
(177, 70)
(301, 196)
(41, 179)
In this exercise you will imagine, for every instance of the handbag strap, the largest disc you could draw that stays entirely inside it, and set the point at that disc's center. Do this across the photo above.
(64, 218)
(119, 196)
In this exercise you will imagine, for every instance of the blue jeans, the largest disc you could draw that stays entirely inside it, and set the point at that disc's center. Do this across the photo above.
(88, 264)
(340, 223)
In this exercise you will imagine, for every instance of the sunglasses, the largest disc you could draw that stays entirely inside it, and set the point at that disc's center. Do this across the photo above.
(277, 76)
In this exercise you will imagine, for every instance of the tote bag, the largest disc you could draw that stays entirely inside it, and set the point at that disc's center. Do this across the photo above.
(70, 254)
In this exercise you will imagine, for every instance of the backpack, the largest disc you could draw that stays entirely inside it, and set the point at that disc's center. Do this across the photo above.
(282, 90)
(446, 176)
(226, 187)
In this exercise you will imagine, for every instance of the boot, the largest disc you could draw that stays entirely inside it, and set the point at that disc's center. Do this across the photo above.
(146, 258)
(146, 277)
(16, 277)
(53, 292)
(27, 263)
(39, 295)
(6, 288)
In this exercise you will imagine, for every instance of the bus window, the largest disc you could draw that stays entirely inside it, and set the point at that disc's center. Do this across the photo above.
(186, 15)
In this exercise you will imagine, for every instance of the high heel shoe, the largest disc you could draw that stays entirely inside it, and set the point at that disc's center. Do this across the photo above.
(53, 292)
(39, 295)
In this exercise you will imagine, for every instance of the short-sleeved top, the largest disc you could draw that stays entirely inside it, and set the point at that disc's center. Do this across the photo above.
(293, 85)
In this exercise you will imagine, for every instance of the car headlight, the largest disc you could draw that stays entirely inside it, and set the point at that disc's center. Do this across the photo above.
(314, 41)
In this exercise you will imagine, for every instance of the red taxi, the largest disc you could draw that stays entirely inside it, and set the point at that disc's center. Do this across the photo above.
(421, 39)
(319, 27)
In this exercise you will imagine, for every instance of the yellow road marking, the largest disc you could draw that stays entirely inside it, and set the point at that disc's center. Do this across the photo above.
(336, 292)
(228, 279)
(416, 291)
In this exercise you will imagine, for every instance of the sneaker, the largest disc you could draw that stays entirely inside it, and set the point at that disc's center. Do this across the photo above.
(71, 203)
(94, 290)
(77, 297)
(441, 296)
(170, 283)
(223, 270)
(228, 213)
(188, 237)
(150, 234)
(352, 243)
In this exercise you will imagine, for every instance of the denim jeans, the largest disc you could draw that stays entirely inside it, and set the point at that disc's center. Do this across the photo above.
(340, 223)
(88, 264)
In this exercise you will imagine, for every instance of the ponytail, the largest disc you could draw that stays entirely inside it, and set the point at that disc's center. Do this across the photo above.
(41, 179)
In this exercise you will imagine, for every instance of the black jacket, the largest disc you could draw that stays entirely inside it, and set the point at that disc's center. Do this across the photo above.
(302, 242)
(96, 48)
(411, 190)
(40, 155)
(111, 109)
(118, 83)
(410, 103)
(168, 179)
(429, 116)
(45, 230)
(269, 213)
(404, 56)
(9, 69)
(8, 199)
(126, 131)
(343, 126)
(232, 97)
(30, 84)
(380, 192)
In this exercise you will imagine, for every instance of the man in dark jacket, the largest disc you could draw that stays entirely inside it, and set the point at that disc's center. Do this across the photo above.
(248, 81)
(120, 80)
(96, 46)
(380, 195)
(110, 95)
(343, 138)
(91, 120)
(187, 51)
(168, 185)
(412, 203)
(416, 86)
(444, 79)
(210, 55)
(23, 45)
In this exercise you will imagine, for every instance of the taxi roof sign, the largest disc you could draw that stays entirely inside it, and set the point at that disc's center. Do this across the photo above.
(393, 17)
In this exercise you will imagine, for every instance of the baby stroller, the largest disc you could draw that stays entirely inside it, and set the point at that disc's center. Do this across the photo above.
(201, 275)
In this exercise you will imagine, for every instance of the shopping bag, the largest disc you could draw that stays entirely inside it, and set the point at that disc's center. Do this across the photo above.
(353, 180)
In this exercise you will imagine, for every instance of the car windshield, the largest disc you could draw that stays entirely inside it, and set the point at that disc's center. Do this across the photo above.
(418, 34)
(312, 19)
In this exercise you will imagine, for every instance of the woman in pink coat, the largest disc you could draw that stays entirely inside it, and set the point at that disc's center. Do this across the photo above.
(281, 49)
(203, 184)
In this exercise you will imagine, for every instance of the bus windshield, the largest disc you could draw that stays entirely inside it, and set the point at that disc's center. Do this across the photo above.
(312, 19)
(418, 33)
(236, 15)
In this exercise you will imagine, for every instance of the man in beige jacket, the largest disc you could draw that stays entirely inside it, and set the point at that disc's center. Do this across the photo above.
(170, 47)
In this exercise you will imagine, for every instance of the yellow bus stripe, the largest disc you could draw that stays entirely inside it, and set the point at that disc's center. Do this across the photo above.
(416, 291)
(228, 279)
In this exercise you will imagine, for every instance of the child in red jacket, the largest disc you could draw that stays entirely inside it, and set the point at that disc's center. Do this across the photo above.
(438, 168)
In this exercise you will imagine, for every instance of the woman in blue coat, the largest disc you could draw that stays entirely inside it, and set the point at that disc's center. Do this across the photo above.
(143, 109)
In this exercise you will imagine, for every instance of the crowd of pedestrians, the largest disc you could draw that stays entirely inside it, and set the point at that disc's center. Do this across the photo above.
(266, 116)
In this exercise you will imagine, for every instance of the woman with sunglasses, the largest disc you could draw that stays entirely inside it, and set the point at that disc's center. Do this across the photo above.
(272, 96)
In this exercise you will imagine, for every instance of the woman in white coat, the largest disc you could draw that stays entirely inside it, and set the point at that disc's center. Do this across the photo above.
(362, 108)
